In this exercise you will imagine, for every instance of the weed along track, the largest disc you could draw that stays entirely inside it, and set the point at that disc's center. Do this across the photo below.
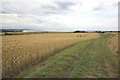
(87, 59)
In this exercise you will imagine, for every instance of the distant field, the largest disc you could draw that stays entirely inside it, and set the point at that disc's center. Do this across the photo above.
(21, 52)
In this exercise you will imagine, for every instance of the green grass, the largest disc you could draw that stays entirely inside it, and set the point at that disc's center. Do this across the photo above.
(87, 59)
(93, 62)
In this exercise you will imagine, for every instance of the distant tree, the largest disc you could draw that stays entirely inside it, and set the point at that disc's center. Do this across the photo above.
(100, 31)
(77, 31)
(6, 33)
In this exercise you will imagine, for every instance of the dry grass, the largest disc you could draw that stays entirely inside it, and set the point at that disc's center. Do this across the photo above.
(23, 51)
(114, 42)
(0, 57)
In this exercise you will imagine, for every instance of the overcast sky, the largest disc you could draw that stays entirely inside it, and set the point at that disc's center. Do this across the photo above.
(59, 15)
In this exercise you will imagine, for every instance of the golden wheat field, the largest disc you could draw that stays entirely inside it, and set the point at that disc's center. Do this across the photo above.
(23, 51)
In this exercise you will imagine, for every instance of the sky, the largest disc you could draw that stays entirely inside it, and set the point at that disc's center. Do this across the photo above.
(59, 15)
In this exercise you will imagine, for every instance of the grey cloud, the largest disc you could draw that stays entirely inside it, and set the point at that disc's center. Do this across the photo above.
(61, 8)
(40, 21)
(64, 5)
(11, 7)
(4, 12)
(8, 11)
(98, 8)
(51, 7)
(25, 8)
(21, 8)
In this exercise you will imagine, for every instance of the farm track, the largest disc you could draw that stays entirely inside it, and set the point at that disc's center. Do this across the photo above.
(88, 59)
(77, 59)
(98, 61)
